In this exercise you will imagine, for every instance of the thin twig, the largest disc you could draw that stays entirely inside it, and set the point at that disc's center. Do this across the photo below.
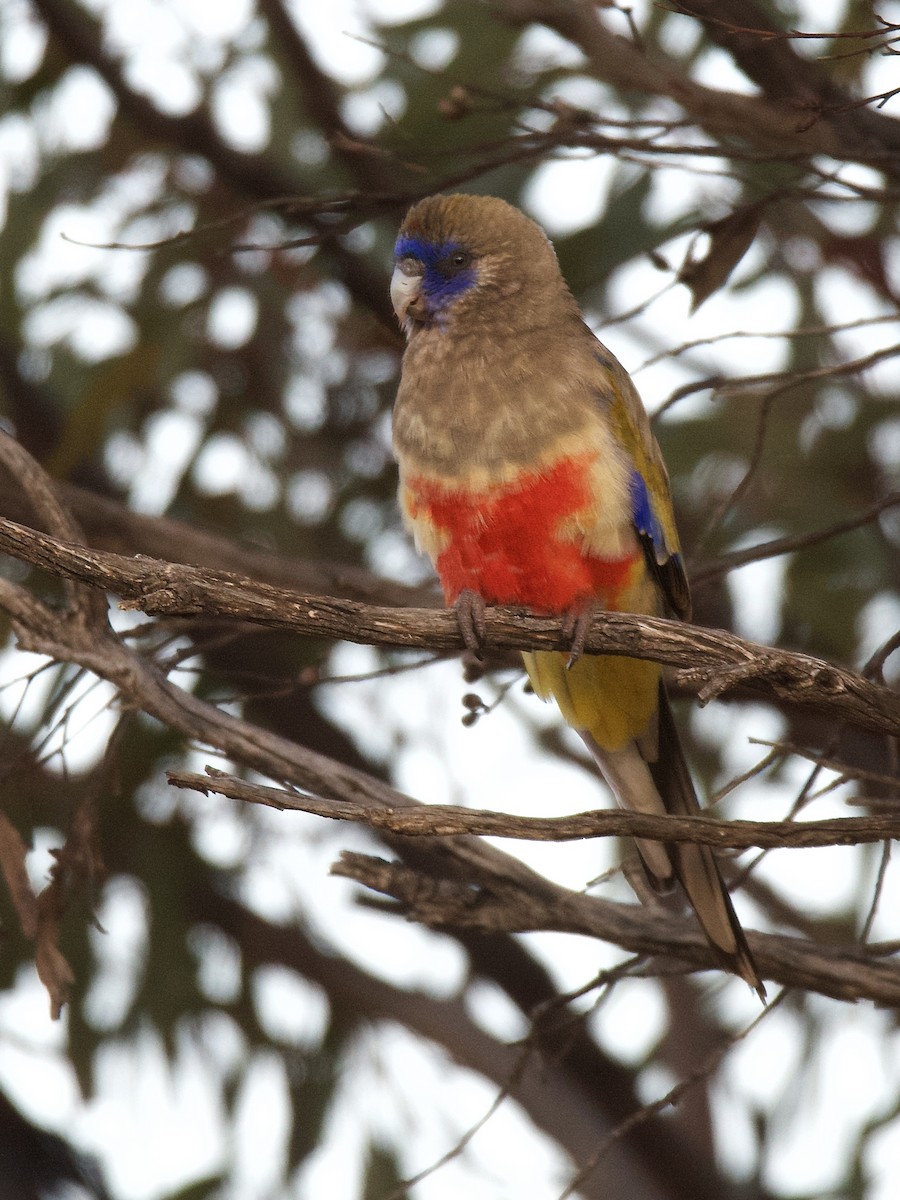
(706, 573)
(703, 1071)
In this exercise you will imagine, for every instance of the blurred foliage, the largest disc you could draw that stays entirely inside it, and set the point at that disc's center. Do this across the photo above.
(242, 383)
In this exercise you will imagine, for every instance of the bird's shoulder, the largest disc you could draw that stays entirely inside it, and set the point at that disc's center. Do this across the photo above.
(652, 512)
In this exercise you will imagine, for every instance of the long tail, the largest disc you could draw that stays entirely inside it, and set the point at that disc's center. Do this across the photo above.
(665, 785)
(647, 772)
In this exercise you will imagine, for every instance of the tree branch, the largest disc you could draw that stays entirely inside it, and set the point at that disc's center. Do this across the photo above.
(451, 820)
(568, 1109)
(460, 881)
(766, 55)
(486, 898)
(108, 525)
(477, 886)
(711, 661)
(804, 124)
(251, 175)
(494, 904)
(706, 572)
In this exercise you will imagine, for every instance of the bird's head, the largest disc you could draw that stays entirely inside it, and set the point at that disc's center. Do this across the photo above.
(472, 257)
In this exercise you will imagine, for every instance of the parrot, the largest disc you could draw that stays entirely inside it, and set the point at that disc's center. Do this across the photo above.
(530, 476)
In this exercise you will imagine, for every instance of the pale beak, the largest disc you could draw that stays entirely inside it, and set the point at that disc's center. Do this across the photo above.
(406, 288)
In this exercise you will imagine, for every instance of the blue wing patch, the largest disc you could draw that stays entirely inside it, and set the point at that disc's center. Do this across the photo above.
(645, 520)
(667, 567)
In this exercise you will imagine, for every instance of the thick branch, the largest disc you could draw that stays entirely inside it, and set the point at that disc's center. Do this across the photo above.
(768, 58)
(46, 507)
(486, 898)
(466, 882)
(711, 661)
(478, 887)
(108, 525)
(495, 905)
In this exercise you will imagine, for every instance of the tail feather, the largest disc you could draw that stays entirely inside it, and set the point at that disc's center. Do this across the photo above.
(620, 708)
(632, 784)
(695, 865)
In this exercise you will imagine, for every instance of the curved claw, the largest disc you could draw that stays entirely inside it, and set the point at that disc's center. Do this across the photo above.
(470, 618)
(576, 625)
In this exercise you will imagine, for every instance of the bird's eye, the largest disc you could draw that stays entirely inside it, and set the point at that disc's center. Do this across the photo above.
(457, 261)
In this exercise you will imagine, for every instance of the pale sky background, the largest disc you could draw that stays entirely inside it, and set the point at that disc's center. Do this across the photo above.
(155, 1127)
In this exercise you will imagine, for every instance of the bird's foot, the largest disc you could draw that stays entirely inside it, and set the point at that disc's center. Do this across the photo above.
(470, 618)
(576, 625)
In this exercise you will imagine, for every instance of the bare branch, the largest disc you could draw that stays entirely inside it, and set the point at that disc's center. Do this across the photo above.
(790, 119)
(567, 1103)
(710, 661)
(12, 865)
(109, 525)
(42, 499)
(706, 572)
(450, 820)
(494, 903)
(489, 900)
(703, 1070)
(468, 884)
(253, 176)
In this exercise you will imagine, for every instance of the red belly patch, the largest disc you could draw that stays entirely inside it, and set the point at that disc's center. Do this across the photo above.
(503, 542)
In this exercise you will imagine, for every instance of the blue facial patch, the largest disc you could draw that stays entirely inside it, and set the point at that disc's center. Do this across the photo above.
(645, 519)
(444, 276)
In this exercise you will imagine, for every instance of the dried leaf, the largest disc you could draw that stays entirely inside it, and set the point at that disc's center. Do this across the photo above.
(53, 969)
(864, 255)
(12, 864)
(54, 973)
(729, 240)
